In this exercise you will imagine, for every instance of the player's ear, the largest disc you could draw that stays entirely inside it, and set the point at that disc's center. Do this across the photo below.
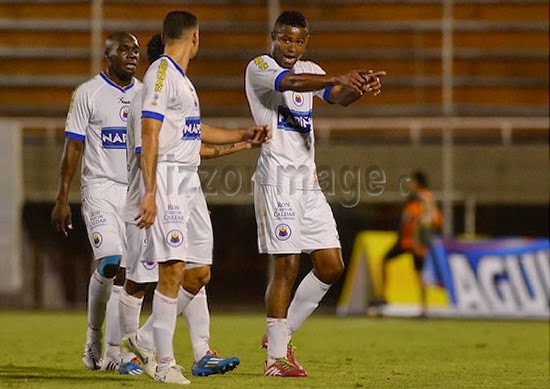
(162, 39)
(273, 35)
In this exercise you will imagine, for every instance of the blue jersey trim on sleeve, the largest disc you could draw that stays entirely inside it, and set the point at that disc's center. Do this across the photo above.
(152, 115)
(138, 150)
(326, 94)
(75, 136)
(279, 78)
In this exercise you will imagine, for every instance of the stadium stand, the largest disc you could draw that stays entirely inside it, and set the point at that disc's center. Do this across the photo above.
(500, 51)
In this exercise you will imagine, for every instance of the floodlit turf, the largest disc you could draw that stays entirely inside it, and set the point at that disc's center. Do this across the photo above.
(44, 350)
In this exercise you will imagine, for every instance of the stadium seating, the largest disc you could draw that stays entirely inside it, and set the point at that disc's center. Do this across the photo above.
(500, 52)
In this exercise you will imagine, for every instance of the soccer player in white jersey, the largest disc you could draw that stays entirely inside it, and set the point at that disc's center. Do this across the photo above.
(140, 274)
(96, 129)
(180, 234)
(292, 214)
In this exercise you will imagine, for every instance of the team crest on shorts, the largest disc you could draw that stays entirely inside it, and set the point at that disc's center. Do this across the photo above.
(97, 239)
(283, 231)
(174, 238)
(298, 99)
(123, 113)
(149, 265)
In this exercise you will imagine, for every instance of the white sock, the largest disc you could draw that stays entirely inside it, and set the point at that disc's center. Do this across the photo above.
(198, 322)
(112, 324)
(145, 336)
(164, 325)
(129, 310)
(99, 291)
(306, 299)
(278, 337)
(184, 298)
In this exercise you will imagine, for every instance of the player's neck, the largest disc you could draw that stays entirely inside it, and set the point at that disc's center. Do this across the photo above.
(180, 54)
(116, 79)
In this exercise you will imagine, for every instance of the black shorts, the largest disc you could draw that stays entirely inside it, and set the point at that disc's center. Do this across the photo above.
(396, 251)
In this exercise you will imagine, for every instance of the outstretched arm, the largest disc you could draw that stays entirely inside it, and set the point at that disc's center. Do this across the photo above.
(345, 96)
(221, 136)
(148, 161)
(61, 217)
(307, 82)
(209, 151)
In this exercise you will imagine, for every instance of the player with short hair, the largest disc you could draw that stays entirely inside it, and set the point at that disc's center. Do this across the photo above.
(96, 129)
(173, 208)
(292, 214)
(141, 274)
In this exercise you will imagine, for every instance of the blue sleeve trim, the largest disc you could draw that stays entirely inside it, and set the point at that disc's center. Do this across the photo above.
(75, 136)
(138, 150)
(326, 94)
(152, 115)
(279, 78)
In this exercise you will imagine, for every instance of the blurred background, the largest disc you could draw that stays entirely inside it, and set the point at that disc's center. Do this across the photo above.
(465, 100)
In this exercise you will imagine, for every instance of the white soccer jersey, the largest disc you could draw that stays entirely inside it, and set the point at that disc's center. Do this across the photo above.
(133, 147)
(97, 116)
(169, 96)
(290, 153)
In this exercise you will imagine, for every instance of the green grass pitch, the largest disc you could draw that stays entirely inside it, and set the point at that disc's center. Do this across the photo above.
(43, 349)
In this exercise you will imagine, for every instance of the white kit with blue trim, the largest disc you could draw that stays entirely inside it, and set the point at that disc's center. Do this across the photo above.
(170, 97)
(97, 116)
(291, 152)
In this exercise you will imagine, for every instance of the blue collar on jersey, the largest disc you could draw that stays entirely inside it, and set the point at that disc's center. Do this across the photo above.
(178, 68)
(110, 82)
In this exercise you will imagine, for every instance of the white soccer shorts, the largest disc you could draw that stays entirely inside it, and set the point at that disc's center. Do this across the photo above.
(102, 210)
(182, 230)
(293, 223)
(138, 269)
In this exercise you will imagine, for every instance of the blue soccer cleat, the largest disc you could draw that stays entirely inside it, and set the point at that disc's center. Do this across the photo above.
(212, 363)
(132, 367)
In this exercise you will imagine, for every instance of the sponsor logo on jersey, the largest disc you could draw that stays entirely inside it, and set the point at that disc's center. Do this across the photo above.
(113, 137)
(283, 232)
(174, 238)
(290, 120)
(161, 75)
(192, 129)
(123, 113)
(149, 265)
(97, 239)
(298, 99)
(260, 63)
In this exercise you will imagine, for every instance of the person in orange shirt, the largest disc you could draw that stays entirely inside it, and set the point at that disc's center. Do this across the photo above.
(420, 220)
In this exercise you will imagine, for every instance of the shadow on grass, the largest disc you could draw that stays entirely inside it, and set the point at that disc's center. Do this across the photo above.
(15, 373)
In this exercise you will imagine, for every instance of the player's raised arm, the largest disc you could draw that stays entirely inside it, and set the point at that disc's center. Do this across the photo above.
(210, 151)
(344, 96)
(221, 136)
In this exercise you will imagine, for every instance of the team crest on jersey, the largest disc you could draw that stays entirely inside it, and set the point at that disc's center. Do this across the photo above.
(97, 239)
(149, 265)
(174, 238)
(113, 137)
(192, 129)
(298, 99)
(290, 120)
(283, 231)
(123, 113)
